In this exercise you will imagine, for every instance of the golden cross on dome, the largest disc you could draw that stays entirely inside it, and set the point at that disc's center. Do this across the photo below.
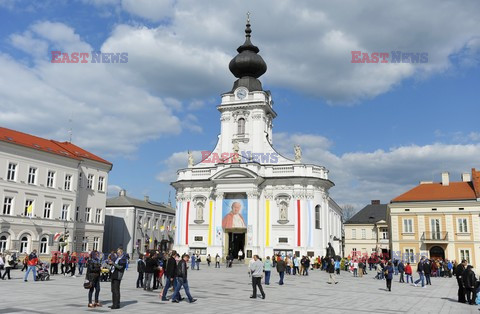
(248, 17)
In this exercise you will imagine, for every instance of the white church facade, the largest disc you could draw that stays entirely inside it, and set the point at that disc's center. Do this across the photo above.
(244, 195)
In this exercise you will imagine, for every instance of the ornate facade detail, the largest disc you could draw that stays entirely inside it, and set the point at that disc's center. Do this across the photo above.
(219, 195)
(268, 194)
(253, 194)
(199, 205)
(283, 203)
(240, 114)
(225, 117)
(257, 116)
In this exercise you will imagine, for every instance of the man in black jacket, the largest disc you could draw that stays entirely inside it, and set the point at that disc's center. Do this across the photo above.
(469, 281)
(150, 266)
(119, 265)
(140, 270)
(458, 273)
(428, 270)
(401, 270)
(182, 280)
(170, 273)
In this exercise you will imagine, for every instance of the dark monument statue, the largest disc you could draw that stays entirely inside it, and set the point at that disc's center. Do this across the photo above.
(330, 251)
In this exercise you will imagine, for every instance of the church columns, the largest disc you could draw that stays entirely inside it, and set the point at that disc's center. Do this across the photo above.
(219, 236)
(253, 239)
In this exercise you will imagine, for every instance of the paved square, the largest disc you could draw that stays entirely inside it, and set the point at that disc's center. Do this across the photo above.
(228, 290)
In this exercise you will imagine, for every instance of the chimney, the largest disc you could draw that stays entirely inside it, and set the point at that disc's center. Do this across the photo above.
(445, 178)
(122, 192)
(375, 202)
(146, 198)
(466, 177)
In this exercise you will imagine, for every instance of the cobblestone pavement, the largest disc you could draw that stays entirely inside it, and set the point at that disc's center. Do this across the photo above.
(227, 291)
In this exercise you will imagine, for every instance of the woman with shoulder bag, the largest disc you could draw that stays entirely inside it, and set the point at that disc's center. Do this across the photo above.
(94, 267)
(9, 262)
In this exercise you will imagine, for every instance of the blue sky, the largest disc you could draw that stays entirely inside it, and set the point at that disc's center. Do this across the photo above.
(380, 129)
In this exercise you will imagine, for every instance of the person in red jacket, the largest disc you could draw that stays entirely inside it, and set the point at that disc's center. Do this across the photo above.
(408, 272)
(32, 265)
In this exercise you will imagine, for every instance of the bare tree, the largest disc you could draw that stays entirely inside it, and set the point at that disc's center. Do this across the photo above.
(348, 211)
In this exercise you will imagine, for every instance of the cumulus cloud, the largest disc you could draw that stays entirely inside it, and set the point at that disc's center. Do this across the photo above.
(306, 45)
(109, 114)
(176, 161)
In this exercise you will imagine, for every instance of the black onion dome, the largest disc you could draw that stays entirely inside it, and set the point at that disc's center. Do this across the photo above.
(248, 63)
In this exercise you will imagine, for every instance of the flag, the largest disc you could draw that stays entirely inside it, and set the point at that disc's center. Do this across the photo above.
(56, 236)
(145, 226)
(174, 227)
(30, 209)
(150, 240)
(162, 228)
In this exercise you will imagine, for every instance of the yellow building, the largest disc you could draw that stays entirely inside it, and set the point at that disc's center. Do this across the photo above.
(438, 220)
(367, 231)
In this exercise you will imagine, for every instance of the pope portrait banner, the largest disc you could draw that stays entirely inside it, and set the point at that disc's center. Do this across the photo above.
(235, 214)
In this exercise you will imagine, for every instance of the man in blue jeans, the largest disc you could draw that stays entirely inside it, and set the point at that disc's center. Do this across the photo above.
(170, 273)
(182, 280)
(32, 265)
(281, 267)
(421, 273)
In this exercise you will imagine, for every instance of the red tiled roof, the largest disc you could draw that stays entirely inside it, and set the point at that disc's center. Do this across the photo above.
(476, 181)
(438, 192)
(64, 149)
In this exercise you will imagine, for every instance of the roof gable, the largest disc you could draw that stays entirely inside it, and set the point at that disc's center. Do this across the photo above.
(369, 214)
(438, 192)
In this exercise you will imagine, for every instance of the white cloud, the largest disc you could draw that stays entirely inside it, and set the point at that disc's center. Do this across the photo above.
(176, 161)
(111, 116)
(154, 10)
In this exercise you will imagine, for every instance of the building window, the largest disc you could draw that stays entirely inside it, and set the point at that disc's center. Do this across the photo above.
(409, 255)
(90, 182)
(68, 182)
(50, 179)
(241, 126)
(3, 244)
(354, 252)
(12, 171)
(32, 175)
(317, 217)
(462, 225)
(384, 232)
(101, 181)
(354, 233)
(98, 216)
(96, 243)
(7, 205)
(88, 211)
(77, 213)
(408, 225)
(283, 240)
(80, 179)
(364, 234)
(198, 238)
(28, 208)
(85, 244)
(24, 245)
(47, 210)
(65, 208)
(465, 255)
(43, 245)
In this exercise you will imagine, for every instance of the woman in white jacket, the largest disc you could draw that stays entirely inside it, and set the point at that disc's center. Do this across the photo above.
(8, 264)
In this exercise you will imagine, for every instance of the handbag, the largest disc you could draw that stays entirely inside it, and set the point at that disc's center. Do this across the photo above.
(87, 284)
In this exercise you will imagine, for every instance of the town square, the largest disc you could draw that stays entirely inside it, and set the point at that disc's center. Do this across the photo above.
(239, 156)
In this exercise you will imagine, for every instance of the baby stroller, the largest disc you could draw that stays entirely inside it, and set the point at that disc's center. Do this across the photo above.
(42, 272)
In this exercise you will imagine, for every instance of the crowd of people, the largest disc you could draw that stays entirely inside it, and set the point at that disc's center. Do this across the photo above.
(167, 271)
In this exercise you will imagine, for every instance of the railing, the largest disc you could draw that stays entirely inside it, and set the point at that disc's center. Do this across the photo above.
(283, 169)
(435, 236)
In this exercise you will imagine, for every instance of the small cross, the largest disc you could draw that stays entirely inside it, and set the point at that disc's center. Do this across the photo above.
(248, 17)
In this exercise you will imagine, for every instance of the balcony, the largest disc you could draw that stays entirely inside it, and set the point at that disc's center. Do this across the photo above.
(434, 237)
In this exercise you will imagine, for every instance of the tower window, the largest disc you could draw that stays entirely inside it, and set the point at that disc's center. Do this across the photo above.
(241, 126)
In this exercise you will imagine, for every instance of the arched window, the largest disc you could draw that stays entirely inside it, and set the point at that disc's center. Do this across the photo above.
(24, 245)
(3, 243)
(43, 245)
(241, 126)
(317, 217)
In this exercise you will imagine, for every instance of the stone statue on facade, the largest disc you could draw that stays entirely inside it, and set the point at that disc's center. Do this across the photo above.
(236, 149)
(190, 159)
(298, 154)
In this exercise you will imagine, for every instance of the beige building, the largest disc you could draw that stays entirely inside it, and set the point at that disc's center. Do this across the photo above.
(438, 220)
(52, 195)
(367, 231)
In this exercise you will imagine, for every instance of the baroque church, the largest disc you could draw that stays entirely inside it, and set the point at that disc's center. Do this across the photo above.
(245, 196)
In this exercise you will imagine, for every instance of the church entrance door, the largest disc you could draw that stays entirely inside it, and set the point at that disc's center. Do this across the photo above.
(236, 242)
